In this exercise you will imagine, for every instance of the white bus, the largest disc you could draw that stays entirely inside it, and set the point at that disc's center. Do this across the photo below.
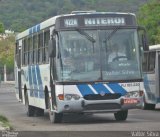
(61, 65)
(151, 69)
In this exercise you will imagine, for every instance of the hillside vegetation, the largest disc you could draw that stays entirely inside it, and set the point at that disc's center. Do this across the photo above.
(149, 16)
(7, 52)
(21, 14)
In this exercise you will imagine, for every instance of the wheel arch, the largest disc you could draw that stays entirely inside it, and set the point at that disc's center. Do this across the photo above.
(46, 95)
(25, 94)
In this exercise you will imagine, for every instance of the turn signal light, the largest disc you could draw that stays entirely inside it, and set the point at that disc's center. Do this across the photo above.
(61, 97)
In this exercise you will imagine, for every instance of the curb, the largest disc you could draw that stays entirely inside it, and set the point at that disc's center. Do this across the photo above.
(8, 82)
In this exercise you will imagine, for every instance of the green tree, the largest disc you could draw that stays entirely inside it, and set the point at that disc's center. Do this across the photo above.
(1, 28)
(19, 15)
(149, 16)
(7, 52)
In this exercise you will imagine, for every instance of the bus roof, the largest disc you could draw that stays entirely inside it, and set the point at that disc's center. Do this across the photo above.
(154, 47)
(51, 22)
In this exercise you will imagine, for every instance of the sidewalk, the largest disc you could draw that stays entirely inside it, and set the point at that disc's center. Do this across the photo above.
(8, 82)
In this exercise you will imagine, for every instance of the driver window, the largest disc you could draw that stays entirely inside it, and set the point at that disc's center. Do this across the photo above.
(116, 52)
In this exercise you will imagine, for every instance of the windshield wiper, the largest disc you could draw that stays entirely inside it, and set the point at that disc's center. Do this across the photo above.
(111, 34)
(90, 38)
(82, 32)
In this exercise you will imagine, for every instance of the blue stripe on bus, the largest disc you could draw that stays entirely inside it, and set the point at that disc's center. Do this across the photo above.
(30, 76)
(36, 82)
(30, 31)
(30, 81)
(35, 29)
(100, 87)
(38, 27)
(146, 84)
(158, 100)
(85, 90)
(117, 88)
(41, 92)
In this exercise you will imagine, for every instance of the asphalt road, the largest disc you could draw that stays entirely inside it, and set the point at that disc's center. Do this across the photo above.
(138, 120)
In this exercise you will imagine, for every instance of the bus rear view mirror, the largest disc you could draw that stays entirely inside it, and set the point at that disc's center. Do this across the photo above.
(143, 38)
(144, 42)
(52, 48)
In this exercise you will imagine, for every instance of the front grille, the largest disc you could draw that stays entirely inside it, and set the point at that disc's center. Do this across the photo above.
(100, 97)
(103, 106)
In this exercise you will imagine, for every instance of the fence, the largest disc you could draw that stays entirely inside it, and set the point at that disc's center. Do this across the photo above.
(6, 74)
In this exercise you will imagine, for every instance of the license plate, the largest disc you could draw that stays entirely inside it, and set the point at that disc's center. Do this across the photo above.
(130, 101)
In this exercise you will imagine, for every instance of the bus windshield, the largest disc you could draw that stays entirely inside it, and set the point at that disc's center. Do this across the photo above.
(98, 55)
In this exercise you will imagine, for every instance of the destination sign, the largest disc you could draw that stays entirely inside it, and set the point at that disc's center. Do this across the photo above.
(104, 21)
(70, 22)
(95, 21)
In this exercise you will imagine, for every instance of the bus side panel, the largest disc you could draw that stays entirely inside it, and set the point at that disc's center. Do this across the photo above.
(150, 87)
(158, 77)
(36, 78)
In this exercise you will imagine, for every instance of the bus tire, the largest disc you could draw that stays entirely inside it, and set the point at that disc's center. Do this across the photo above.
(39, 112)
(147, 106)
(152, 106)
(121, 115)
(30, 109)
(53, 116)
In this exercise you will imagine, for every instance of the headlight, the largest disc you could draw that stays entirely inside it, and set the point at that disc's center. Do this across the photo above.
(70, 96)
(76, 97)
(132, 94)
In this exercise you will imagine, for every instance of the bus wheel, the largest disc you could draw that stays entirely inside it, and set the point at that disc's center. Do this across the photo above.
(39, 112)
(147, 106)
(152, 106)
(121, 115)
(53, 116)
(30, 109)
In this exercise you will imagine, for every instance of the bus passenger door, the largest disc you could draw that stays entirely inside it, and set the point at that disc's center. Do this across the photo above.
(53, 71)
(19, 69)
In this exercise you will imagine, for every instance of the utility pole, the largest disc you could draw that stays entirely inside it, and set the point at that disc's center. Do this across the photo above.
(5, 75)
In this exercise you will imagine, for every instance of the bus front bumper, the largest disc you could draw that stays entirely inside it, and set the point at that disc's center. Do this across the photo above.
(98, 106)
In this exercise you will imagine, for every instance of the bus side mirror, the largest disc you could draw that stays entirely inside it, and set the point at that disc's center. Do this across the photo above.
(143, 38)
(52, 48)
(144, 43)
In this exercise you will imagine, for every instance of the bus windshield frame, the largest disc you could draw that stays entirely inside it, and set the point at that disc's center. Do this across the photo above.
(83, 55)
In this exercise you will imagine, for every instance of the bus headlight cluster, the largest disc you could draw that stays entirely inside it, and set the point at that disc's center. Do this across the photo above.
(72, 96)
(132, 94)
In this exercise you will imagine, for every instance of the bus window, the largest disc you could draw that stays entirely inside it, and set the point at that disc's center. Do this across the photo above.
(145, 62)
(25, 51)
(35, 45)
(151, 61)
(45, 52)
(30, 48)
(40, 48)
(17, 55)
(23, 56)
